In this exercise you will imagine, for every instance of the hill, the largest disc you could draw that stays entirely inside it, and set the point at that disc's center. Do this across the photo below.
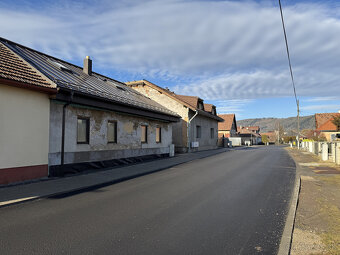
(270, 124)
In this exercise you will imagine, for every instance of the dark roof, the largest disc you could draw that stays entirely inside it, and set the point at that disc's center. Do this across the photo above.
(13, 68)
(71, 77)
(229, 119)
(188, 101)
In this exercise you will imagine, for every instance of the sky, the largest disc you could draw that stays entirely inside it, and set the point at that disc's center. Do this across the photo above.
(229, 53)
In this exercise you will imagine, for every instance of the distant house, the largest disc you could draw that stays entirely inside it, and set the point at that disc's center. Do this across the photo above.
(87, 121)
(228, 128)
(271, 136)
(324, 125)
(198, 127)
(249, 135)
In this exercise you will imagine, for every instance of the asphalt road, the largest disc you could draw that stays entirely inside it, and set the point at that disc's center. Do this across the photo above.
(231, 203)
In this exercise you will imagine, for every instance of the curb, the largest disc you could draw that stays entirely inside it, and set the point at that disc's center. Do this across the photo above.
(287, 235)
(79, 190)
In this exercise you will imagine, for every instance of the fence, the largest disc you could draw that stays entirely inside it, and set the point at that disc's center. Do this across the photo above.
(325, 150)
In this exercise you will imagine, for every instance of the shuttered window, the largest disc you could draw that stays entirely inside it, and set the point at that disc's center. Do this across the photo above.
(144, 134)
(83, 130)
(158, 135)
(112, 131)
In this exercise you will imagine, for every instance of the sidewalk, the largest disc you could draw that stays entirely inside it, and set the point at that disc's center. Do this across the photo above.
(317, 222)
(79, 183)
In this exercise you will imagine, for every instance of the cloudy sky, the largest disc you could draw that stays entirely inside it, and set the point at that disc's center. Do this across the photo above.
(230, 53)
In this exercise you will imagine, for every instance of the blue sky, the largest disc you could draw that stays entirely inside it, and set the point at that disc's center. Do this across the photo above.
(230, 53)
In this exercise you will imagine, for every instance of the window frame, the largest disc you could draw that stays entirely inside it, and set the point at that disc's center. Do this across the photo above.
(160, 135)
(115, 133)
(198, 134)
(87, 119)
(146, 133)
(212, 133)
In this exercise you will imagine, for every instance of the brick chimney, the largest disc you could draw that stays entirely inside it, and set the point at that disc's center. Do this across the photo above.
(87, 65)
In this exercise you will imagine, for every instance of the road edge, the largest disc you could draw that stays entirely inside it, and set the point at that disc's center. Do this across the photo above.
(287, 235)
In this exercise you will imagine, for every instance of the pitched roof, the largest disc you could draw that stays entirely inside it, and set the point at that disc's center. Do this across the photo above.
(188, 101)
(248, 130)
(71, 77)
(327, 126)
(228, 121)
(160, 89)
(208, 107)
(253, 128)
(191, 100)
(322, 118)
(14, 68)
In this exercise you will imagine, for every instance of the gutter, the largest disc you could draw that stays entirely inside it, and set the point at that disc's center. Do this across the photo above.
(188, 127)
(62, 153)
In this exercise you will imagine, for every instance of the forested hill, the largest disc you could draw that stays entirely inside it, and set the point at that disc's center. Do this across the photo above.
(270, 124)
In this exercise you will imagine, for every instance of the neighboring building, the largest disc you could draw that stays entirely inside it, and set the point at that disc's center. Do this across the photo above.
(198, 128)
(324, 125)
(249, 135)
(228, 128)
(92, 118)
(271, 135)
(24, 119)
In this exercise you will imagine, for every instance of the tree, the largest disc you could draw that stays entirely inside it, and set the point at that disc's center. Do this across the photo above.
(336, 122)
(265, 139)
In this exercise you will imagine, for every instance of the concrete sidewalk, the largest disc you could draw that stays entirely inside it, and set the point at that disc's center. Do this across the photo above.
(317, 222)
(10, 195)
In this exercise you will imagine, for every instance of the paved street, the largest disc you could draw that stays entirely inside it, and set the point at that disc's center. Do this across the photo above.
(231, 203)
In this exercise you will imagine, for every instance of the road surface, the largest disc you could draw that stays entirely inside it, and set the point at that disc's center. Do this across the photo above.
(231, 203)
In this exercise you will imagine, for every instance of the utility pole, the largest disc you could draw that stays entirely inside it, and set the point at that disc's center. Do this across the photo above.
(298, 124)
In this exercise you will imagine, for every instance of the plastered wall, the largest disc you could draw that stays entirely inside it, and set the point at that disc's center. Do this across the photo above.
(128, 135)
(24, 127)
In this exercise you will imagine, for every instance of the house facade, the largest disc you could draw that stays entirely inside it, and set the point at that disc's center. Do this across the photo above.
(24, 114)
(228, 128)
(249, 135)
(89, 120)
(324, 125)
(198, 127)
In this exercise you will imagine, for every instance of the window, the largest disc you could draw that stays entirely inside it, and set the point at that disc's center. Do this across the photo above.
(212, 133)
(144, 134)
(83, 130)
(198, 131)
(158, 135)
(112, 131)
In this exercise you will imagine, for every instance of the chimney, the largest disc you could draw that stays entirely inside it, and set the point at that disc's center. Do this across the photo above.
(87, 65)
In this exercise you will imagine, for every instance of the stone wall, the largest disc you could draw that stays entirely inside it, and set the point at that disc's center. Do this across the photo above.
(179, 129)
(128, 135)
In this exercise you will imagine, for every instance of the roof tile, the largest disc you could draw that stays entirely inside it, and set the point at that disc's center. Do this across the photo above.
(12, 67)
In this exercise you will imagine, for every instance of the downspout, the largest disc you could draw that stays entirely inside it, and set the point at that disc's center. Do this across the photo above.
(62, 154)
(188, 127)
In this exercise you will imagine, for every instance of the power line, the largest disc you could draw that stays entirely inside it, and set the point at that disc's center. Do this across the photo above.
(291, 75)
(288, 55)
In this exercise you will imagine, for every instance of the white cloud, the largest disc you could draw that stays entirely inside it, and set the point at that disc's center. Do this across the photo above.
(327, 107)
(217, 49)
(322, 99)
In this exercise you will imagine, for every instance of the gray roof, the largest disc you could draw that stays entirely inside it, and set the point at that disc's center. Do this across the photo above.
(68, 76)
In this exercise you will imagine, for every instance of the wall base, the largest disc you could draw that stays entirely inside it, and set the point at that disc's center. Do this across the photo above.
(19, 174)
(62, 170)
